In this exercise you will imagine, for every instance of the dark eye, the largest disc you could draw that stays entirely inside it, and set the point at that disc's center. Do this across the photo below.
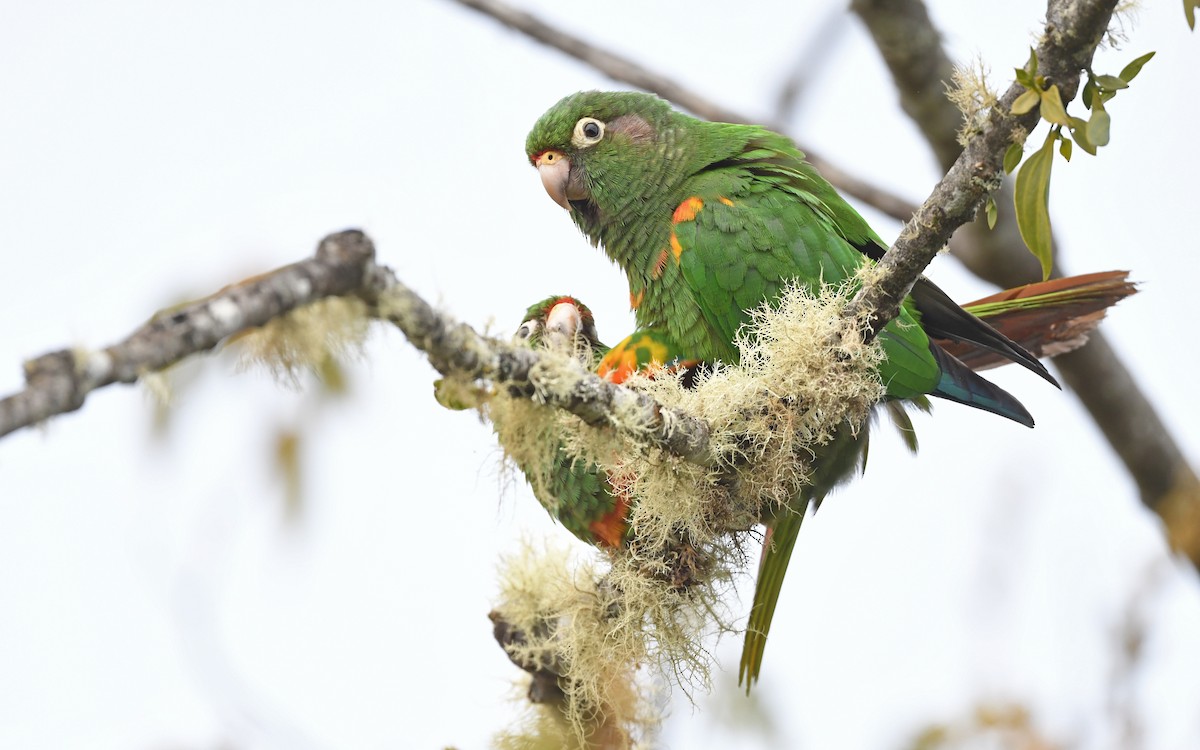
(588, 131)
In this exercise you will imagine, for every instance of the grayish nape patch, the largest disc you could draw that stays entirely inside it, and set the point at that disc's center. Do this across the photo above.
(633, 127)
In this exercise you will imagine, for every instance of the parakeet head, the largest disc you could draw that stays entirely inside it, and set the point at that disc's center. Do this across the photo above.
(562, 323)
(593, 141)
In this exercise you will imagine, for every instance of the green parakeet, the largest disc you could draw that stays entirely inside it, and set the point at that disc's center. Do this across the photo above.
(710, 220)
(579, 495)
(576, 494)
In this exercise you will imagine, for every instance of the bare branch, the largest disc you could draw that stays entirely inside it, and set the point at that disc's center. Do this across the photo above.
(825, 33)
(921, 70)
(911, 47)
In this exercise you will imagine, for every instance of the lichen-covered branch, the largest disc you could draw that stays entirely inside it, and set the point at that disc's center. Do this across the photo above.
(911, 47)
(455, 349)
(60, 381)
(344, 264)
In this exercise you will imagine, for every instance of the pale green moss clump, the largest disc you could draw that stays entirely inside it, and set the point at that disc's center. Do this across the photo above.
(969, 91)
(330, 329)
(804, 373)
(562, 607)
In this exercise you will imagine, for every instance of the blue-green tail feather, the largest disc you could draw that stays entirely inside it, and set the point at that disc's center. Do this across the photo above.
(960, 383)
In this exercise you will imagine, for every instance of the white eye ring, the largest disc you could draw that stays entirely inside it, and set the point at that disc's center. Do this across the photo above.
(588, 131)
(527, 330)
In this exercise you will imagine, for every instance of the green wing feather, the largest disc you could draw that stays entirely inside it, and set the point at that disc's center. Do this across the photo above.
(745, 244)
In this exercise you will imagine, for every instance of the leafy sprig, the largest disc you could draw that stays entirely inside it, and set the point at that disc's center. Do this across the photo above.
(1032, 193)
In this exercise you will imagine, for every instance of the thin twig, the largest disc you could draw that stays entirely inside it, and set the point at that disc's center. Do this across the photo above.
(825, 32)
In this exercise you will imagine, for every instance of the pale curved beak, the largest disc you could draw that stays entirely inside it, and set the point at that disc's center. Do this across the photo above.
(563, 327)
(561, 183)
(563, 323)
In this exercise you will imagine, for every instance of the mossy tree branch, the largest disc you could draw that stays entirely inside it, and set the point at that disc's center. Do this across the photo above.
(456, 350)
(60, 381)
(344, 264)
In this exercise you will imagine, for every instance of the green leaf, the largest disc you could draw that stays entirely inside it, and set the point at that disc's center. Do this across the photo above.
(1080, 137)
(1111, 83)
(1052, 107)
(1132, 69)
(1031, 200)
(1026, 101)
(1097, 127)
(1079, 133)
(1064, 148)
(992, 212)
(1089, 92)
(1012, 157)
(1189, 10)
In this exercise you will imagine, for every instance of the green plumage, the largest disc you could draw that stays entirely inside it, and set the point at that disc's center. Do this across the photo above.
(710, 220)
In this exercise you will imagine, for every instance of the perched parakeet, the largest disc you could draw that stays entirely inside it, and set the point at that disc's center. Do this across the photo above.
(577, 494)
(709, 221)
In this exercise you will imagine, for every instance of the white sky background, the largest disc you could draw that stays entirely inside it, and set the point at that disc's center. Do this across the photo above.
(154, 596)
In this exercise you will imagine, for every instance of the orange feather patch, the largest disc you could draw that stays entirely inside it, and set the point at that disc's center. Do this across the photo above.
(618, 364)
(610, 528)
(661, 264)
(687, 210)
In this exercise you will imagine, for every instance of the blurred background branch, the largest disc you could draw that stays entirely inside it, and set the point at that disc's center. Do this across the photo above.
(627, 71)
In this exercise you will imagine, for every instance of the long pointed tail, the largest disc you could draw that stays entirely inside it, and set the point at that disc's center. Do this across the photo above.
(777, 553)
(960, 383)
